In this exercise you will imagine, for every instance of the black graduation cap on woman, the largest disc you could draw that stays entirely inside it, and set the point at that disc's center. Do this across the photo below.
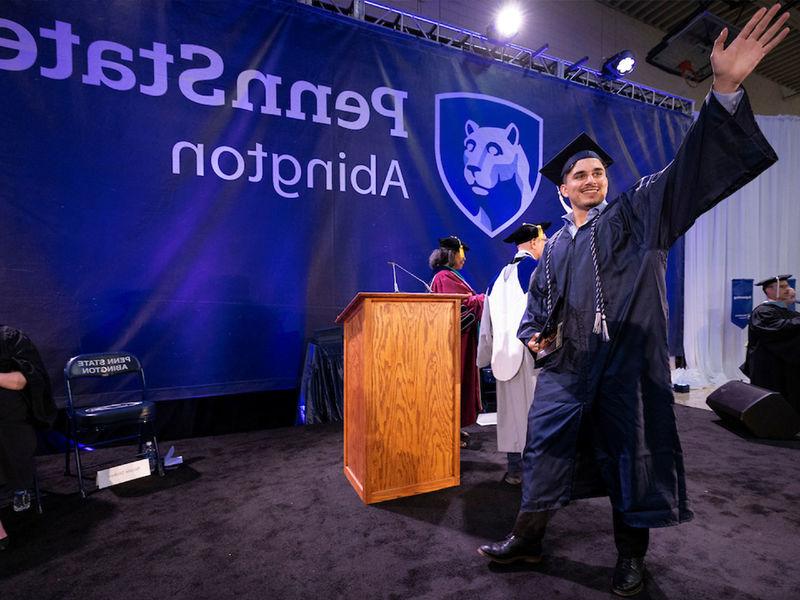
(453, 243)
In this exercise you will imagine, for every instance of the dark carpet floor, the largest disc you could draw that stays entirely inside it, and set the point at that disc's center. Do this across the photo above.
(269, 514)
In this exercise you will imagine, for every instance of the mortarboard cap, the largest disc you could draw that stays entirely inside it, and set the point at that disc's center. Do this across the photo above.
(770, 280)
(527, 232)
(581, 147)
(452, 243)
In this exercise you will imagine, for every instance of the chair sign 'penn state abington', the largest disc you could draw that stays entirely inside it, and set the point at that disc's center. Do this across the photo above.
(86, 421)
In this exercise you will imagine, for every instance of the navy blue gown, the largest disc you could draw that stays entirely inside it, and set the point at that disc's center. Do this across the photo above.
(603, 422)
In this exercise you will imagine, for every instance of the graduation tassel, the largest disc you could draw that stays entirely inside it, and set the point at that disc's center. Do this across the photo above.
(600, 324)
(564, 205)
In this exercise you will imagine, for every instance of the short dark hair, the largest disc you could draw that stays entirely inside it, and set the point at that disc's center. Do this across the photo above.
(442, 257)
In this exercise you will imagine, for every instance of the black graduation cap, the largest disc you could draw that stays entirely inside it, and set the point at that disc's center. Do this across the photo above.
(770, 280)
(526, 232)
(581, 147)
(452, 243)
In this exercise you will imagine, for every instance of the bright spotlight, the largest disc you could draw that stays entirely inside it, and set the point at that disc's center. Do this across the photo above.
(506, 24)
(621, 64)
(508, 21)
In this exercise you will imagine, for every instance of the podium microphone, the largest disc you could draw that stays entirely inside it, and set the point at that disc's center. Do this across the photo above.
(396, 289)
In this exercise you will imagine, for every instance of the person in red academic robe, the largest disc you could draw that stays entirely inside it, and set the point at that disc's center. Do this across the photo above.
(446, 261)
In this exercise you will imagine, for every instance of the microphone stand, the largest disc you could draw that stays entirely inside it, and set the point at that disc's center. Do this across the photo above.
(394, 264)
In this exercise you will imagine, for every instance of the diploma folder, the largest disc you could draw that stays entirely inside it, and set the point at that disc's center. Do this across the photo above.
(551, 338)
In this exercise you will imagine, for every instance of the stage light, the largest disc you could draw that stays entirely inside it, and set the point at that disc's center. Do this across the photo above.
(621, 64)
(506, 25)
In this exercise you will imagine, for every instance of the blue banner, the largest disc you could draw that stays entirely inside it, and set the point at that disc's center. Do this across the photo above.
(741, 301)
(205, 183)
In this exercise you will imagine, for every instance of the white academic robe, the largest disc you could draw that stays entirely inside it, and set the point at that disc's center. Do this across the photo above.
(512, 363)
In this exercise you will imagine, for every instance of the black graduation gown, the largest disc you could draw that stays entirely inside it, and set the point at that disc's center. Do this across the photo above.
(773, 351)
(603, 421)
(22, 411)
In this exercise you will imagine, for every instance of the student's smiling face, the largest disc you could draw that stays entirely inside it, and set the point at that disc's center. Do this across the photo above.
(586, 185)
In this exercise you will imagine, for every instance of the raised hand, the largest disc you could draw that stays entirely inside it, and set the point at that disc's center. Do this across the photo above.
(733, 64)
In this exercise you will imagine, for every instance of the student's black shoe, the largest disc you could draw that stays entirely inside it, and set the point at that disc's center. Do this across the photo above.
(628, 576)
(513, 549)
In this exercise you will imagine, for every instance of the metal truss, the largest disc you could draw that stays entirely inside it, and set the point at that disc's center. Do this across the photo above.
(511, 54)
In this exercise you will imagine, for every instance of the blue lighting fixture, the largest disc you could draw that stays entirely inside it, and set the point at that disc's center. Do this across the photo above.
(506, 25)
(620, 65)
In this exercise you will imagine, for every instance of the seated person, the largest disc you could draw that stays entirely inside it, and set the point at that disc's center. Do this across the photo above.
(26, 402)
(773, 341)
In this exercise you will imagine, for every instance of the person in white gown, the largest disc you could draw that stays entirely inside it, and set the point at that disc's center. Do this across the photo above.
(498, 345)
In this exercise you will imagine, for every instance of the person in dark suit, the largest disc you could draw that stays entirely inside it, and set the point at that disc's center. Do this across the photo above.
(26, 403)
(773, 341)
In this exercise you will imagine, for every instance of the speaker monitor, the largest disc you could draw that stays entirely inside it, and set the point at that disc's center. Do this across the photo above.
(766, 414)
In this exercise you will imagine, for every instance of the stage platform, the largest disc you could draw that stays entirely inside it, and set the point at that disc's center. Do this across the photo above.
(269, 514)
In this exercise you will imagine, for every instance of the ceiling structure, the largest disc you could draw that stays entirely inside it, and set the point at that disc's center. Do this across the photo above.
(466, 40)
(782, 65)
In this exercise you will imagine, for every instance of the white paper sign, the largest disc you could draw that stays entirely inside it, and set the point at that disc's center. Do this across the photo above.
(121, 473)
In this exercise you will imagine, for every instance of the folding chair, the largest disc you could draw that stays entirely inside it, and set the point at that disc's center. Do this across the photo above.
(85, 422)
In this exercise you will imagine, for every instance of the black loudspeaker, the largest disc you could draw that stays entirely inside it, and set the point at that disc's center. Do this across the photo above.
(766, 414)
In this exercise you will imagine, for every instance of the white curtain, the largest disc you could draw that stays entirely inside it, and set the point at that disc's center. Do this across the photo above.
(751, 235)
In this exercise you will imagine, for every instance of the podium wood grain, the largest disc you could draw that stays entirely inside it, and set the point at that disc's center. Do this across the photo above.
(402, 394)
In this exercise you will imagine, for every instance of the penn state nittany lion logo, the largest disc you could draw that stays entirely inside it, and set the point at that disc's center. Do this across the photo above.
(492, 155)
(486, 150)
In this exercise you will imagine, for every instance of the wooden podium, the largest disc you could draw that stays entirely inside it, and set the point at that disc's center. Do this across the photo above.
(402, 393)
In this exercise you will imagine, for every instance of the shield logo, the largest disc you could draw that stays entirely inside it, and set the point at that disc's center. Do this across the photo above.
(488, 152)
